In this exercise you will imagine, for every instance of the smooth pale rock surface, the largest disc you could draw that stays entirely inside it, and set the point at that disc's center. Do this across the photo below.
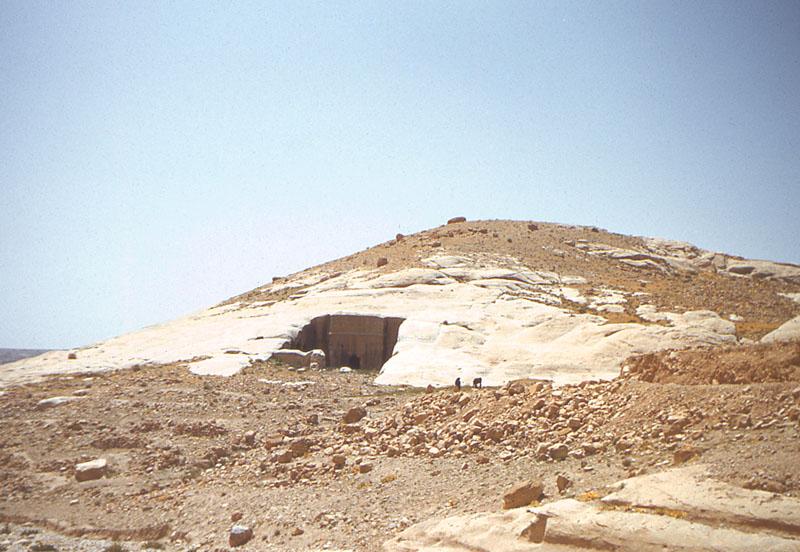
(793, 296)
(495, 532)
(455, 326)
(707, 498)
(788, 331)
(589, 526)
(55, 401)
(680, 509)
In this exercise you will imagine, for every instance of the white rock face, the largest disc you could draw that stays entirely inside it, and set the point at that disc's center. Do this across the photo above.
(789, 331)
(707, 515)
(464, 317)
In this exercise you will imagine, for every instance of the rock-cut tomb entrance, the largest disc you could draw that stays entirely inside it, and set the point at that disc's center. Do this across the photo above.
(357, 341)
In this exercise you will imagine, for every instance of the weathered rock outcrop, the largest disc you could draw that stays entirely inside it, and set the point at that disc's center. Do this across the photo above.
(463, 317)
(473, 312)
(680, 509)
(676, 256)
(789, 331)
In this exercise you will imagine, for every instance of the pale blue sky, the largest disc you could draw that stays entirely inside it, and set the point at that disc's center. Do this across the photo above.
(156, 158)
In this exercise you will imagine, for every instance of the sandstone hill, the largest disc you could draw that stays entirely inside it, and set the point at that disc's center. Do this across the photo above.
(499, 300)
(637, 394)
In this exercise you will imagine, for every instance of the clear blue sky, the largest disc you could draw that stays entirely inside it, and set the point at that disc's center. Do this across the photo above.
(156, 158)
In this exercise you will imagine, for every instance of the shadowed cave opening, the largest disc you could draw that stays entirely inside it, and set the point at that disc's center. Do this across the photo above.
(353, 340)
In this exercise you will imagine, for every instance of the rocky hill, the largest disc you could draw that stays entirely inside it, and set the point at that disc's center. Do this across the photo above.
(617, 393)
(498, 300)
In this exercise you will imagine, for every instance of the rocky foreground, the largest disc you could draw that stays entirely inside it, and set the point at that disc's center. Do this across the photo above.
(313, 460)
(637, 394)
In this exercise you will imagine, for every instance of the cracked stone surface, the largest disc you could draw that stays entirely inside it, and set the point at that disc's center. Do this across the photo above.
(678, 509)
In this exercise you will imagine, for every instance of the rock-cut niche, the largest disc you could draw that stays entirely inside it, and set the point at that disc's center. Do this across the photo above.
(352, 340)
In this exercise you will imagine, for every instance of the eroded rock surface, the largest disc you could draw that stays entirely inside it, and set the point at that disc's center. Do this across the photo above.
(488, 299)
(679, 509)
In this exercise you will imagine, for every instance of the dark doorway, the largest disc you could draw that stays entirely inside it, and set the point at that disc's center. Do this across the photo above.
(350, 339)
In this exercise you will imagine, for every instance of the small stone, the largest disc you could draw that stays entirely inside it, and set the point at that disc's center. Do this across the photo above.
(684, 454)
(421, 417)
(239, 535)
(533, 227)
(297, 531)
(300, 446)
(574, 423)
(350, 429)
(455, 220)
(236, 516)
(283, 456)
(589, 448)
(364, 467)
(345, 370)
(338, 460)
(562, 483)
(94, 469)
(354, 415)
(559, 451)
(522, 495)
(382, 261)
(250, 438)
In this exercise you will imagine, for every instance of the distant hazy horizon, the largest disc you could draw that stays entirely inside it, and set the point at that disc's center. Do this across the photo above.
(156, 158)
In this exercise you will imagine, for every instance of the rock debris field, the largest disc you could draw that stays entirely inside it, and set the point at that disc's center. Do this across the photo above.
(319, 459)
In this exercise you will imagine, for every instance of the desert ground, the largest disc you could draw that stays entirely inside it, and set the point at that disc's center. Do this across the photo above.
(271, 448)
(98, 453)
